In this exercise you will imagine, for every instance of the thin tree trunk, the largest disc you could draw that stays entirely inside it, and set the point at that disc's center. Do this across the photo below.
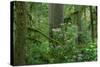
(78, 22)
(96, 23)
(92, 26)
(79, 27)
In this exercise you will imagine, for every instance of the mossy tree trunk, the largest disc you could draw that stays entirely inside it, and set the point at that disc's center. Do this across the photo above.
(78, 23)
(20, 33)
(92, 24)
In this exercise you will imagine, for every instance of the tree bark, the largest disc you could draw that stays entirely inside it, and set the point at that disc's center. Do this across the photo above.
(20, 33)
(96, 21)
(78, 23)
(92, 25)
(56, 17)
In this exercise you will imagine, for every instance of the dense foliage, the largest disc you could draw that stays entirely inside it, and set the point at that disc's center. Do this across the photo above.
(64, 46)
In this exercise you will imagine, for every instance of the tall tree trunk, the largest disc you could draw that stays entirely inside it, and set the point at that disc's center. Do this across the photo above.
(96, 21)
(92, 25)
(55, 19)
(20, 33)
(79, 25)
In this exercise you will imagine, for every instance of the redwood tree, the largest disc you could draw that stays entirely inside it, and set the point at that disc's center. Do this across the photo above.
(56, 17)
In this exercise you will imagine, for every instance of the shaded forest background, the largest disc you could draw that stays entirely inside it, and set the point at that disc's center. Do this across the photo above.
(53, 33)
